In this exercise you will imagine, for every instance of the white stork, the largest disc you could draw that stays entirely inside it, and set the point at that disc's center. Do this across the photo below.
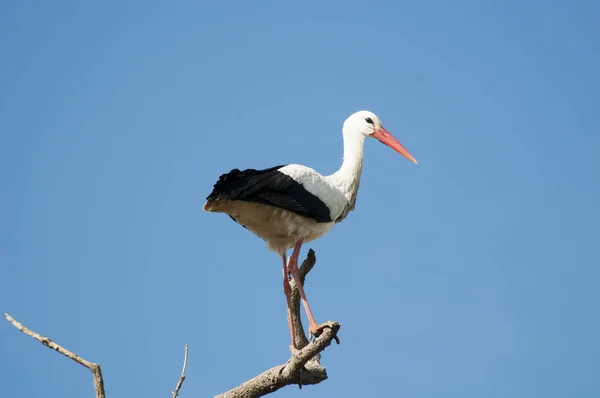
(292, 204)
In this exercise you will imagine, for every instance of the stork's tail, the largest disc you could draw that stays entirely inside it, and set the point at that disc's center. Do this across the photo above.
(233, 186)
(212, 205)
(222, 190)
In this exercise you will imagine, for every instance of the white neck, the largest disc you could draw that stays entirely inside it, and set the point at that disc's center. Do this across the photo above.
(347, 178)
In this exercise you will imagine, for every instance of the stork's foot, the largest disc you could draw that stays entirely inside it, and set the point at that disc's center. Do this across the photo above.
(316, 330)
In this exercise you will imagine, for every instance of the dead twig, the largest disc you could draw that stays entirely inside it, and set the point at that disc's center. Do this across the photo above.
(175, 392)
(93, 367)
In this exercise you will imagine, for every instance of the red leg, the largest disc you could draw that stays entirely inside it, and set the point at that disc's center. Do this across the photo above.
(287, 289)
(314, 329)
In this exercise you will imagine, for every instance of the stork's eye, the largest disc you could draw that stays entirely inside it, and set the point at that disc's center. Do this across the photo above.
(370, 121)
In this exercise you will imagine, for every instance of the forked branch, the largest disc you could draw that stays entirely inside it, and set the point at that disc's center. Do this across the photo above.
(304, 365)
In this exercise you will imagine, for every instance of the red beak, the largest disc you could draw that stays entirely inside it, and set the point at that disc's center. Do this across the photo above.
(384, 136)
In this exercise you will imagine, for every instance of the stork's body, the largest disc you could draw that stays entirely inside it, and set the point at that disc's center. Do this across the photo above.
(289, 205)
(277, 204)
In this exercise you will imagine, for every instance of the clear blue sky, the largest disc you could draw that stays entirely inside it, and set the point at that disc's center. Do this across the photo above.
(473, 274)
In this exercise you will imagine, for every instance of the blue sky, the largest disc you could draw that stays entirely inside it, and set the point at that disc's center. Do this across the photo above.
(473, 274)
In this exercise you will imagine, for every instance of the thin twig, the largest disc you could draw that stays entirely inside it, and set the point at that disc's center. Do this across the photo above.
(307, 265)
(182, 377)
(93, 367)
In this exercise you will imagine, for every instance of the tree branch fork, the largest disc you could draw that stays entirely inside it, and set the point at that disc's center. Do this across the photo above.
(302, 368)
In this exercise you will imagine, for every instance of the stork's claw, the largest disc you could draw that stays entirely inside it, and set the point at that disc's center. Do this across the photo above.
(316, 331)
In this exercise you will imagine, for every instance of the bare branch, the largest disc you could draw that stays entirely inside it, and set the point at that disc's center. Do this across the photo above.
(93, 367)
(303, 368)
(182, 377)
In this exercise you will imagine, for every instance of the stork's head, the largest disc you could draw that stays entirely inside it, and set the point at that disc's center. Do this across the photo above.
(367, 124)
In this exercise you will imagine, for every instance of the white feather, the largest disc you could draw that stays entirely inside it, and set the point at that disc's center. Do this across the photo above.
(319, 186)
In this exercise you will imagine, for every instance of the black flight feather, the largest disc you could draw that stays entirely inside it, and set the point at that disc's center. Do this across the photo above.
(270, 187)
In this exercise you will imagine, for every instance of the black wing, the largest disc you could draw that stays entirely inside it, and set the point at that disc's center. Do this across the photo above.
(270, 187)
